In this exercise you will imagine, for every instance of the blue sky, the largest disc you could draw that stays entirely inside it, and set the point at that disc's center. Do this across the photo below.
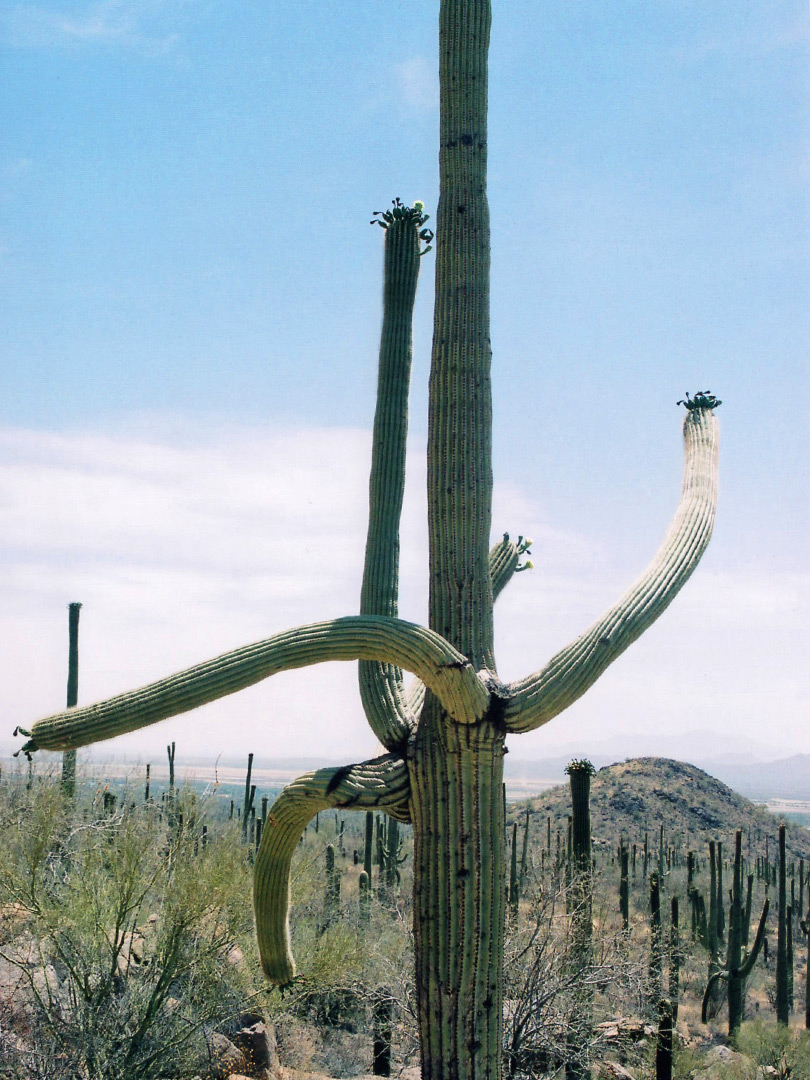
(192, 304)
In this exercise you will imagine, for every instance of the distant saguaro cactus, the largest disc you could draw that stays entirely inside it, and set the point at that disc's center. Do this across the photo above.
(69, 756)
(656, 937)
(738, 965)
(782, 986)
(624, 888)
(444, 739)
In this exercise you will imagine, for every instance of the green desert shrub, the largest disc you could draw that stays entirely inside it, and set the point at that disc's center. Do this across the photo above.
(776, 1047)
(131, 939)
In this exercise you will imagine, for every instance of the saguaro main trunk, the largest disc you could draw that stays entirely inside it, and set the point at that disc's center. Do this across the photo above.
(457, 770)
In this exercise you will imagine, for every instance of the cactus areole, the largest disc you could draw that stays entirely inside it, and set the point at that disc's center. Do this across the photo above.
(444, 735)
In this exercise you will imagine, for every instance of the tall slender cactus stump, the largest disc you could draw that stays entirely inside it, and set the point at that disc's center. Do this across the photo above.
(445, 735)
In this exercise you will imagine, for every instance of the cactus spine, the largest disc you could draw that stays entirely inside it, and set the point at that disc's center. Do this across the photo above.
(69, 756)
(443, 769)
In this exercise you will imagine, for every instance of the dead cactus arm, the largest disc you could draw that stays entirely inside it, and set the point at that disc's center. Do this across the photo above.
(381, 783)
(440, 666)
(540, 697)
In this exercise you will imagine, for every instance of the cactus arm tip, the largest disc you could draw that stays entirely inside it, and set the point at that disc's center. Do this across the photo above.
(540, 697)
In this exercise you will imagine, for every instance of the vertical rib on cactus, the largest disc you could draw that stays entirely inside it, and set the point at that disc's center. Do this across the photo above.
(381, 685)
(69, 756)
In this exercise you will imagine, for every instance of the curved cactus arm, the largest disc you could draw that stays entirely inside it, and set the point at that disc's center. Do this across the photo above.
(745, 969)
(381, 685)
(445, 671)
(535, 700)
(710, 985)
(504, 563)
(382, 783)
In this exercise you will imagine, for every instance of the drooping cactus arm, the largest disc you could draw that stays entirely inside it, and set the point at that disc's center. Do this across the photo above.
(535, 700)
(381, 685)
(445, 671)
(381, 783)
(504, 563)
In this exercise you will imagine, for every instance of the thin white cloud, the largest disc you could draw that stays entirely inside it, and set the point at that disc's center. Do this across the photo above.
(418, 80)
(182, 545)
(103, 22)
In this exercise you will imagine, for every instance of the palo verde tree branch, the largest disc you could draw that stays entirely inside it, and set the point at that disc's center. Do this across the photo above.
(540, 697)
(443, 669)
(381, 685)
(381, 783)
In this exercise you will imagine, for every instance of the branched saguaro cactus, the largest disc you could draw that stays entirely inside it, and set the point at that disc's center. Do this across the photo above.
(738, 964)
(444, 738)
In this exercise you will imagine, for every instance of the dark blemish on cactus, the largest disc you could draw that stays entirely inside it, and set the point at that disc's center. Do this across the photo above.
(460, 665)
(461, 209)
(338, 778)
(466, 140)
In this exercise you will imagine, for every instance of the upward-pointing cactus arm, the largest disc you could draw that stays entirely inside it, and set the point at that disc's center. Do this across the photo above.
(381, 685)
(382, 783)
(535, 700)
(504, 563)
(444, 670)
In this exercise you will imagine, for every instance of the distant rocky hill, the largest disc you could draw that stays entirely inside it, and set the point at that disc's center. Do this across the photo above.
(785, 778)
(634, 797)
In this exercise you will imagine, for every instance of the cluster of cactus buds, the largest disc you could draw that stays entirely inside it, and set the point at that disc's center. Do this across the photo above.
(400, 212)
(523, 548)
(702, 400)
(580, 765)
